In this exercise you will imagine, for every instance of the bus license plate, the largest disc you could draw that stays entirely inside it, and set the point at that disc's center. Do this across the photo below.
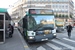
(44, 39)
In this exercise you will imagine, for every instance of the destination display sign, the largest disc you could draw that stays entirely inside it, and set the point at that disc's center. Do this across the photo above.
(40, 11)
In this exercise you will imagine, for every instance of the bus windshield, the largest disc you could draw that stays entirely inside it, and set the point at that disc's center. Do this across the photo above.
(40, 22)
(59, 23)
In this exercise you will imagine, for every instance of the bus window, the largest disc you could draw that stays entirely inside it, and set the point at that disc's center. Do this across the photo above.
(1, 21)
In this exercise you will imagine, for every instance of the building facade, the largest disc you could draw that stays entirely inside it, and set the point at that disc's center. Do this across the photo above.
(61, 8)
(74, 11)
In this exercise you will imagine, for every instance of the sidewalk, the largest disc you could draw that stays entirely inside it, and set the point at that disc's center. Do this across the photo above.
(15, 43)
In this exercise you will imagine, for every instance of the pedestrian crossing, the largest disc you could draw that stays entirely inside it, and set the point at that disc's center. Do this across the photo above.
(69, 40)
(41, 48)
(66, 45)
(54, 47)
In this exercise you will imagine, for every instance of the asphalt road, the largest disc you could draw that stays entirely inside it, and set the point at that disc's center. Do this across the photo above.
(61, 42)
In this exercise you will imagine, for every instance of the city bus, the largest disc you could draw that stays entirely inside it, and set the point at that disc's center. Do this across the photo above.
(38, 25)
(59, 25)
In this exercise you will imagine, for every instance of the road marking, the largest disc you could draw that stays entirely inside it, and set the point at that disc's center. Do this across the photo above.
(41, 48)
(53, 46)
(66, 45)
(25, 46)
(69, 40)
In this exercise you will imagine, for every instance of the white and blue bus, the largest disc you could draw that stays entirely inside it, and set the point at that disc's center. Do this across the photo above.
(38, 25)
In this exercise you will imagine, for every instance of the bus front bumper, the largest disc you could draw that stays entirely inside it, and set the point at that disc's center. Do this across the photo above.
(44, 37)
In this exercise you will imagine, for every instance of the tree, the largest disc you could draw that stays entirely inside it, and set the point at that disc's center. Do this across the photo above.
(59, 15)
(56, 15)
(63, 15)
(66, 15)
(70, 15)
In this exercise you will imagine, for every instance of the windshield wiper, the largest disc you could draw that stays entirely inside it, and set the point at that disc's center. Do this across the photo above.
(43, 28)
(37, 28)
(48, 28)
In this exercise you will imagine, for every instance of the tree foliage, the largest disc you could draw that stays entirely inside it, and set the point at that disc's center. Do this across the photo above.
(63, 15)
(59, 15)
(56, 15)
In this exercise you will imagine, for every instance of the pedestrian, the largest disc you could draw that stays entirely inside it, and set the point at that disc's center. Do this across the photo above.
(12, 27)
(10, 30)
(69, 28)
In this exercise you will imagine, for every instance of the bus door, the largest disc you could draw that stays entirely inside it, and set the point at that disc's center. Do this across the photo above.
(25, 27)
(2, 28)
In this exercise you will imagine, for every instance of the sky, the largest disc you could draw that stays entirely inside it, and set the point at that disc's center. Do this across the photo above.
(73, 1)
(6, 3)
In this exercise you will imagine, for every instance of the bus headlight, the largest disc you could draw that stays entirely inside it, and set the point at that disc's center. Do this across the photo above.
(31, 37)
(54, 34)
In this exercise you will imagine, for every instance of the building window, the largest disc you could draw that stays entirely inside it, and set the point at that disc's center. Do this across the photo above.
(33, 5)
(40, 0)
(53, 0)
(66, 13)
(59, 5)
(62, 10)
(56, 0)
(48, 5)
(53, 9)
(28, 0)
(62, 5)
(33, 1)
(66, 5)
(53, 5)
(56, 9)
(37, 0)
(28, 5)
(44, 0)
(62, 0)
(48, 0)
(59, 0)
(56, 5)
(66, 10)
(66, 0)
(59, 10)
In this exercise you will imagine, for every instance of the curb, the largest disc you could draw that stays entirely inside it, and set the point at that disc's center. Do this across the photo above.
(24, 42)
